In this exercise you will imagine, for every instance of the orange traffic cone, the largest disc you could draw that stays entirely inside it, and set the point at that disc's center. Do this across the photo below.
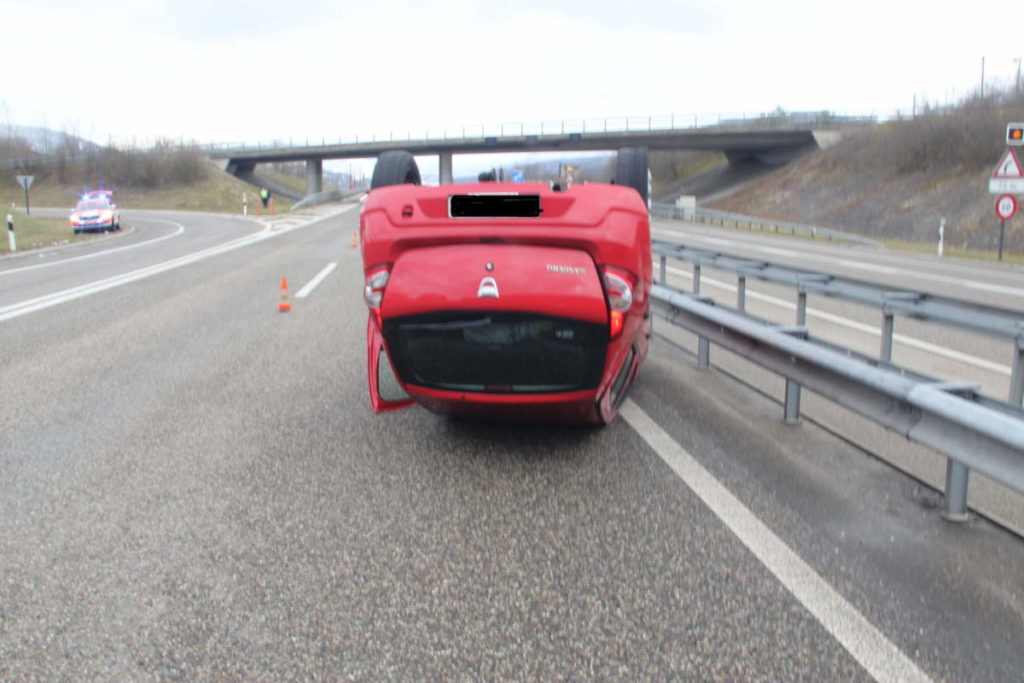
(286, 304)
(355, 240)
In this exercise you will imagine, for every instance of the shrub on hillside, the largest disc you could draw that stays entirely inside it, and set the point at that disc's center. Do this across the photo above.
(968, 136)
(165, 164)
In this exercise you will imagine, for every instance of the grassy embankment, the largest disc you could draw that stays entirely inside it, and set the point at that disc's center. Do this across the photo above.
(208, 190)
(897, 181)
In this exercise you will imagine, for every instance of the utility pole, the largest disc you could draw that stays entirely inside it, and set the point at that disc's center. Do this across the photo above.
(982, 78)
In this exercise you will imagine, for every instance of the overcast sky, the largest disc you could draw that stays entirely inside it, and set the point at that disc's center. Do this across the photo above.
(208, 71)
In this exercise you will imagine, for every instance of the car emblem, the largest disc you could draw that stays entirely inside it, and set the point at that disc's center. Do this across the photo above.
(488, 289)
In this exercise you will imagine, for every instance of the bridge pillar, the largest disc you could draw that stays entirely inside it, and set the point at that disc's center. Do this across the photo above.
(445, 169)
(314, 176)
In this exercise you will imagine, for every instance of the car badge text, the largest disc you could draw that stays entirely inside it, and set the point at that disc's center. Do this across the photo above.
(572, 270)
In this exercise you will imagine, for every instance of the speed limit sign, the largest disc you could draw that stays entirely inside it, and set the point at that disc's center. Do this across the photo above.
(1006, 206)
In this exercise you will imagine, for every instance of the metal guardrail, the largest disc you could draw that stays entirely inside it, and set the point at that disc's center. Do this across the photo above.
(701, 215)
(972, 430)
(966, 315)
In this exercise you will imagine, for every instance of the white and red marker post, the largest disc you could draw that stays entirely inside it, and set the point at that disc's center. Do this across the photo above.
(12, 241)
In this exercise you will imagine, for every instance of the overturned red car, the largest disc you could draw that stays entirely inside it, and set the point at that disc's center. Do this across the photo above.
(501, 300)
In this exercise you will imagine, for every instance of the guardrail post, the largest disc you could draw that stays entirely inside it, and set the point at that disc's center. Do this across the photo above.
(888, 325)
(741, 292)
(957, 475)
(1017, 377)
(703, 353)
(801, 307)
(663, 270)
(703, 343)
(791, 406)
(791, 411)
(696, 278)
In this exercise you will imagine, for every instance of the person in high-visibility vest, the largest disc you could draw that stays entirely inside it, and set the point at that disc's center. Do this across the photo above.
(264, 196)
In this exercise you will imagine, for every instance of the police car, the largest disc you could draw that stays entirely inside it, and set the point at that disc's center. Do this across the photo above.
(95, 211)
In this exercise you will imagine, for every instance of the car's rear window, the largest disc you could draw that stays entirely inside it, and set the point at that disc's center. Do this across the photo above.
(497, 352)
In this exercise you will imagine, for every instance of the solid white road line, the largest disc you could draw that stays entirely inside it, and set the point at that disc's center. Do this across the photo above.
(312, 284)
(912, 342)
(944, 279)
(777, 252)
(39, 303)
(876, 653)
(180, 230)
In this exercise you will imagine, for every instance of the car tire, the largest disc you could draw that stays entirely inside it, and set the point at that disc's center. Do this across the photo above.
(395, 168)
(632, 170)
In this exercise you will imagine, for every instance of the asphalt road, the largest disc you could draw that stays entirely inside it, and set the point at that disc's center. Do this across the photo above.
(192, 485)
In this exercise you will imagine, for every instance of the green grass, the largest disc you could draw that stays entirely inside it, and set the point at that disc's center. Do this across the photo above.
(294, 183)
(33, 232)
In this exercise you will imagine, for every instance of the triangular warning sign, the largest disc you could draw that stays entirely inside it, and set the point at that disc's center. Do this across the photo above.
(1008, 166)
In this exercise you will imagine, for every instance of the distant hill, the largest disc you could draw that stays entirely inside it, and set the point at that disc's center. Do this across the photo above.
(44, 140)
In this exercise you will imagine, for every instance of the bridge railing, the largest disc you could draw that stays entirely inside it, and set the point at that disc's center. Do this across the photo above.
(586, 125)
(972, 430)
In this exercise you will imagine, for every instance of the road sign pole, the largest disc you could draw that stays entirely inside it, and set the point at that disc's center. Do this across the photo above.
(1002, 238)
(26, 182)
(1006, 208)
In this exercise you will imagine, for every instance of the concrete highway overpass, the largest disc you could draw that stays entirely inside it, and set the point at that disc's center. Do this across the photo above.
(772, 146)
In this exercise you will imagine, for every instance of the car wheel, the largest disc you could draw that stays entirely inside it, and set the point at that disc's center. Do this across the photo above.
(632, 170)
(395, 168)
(77, 231)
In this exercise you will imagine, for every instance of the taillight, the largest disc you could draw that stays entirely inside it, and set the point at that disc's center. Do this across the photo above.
(618, 287)
(373, 293)
(374, 290)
